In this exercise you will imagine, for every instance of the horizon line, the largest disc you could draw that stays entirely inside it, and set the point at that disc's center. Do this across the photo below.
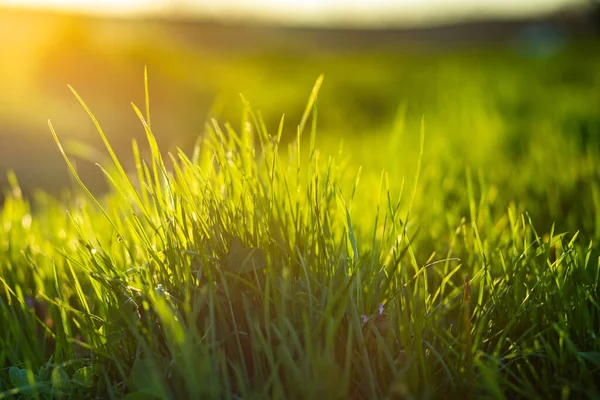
(274, 19)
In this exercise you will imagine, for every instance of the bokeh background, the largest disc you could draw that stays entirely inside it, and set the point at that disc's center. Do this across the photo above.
(494, 77)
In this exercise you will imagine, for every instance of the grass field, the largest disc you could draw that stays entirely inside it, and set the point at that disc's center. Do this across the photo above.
(426, 228)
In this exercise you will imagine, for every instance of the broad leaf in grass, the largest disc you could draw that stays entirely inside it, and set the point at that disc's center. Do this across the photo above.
(245, 259)
(60, 379)
(43, 374)
(18, 377)
(22, 379)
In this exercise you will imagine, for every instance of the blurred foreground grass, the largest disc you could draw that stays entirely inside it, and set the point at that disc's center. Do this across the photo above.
(276, 259)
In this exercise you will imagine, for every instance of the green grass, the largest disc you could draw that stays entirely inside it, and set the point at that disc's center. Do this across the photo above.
(269, 266)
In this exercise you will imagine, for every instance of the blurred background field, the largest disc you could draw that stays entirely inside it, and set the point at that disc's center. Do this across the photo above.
(514, 99)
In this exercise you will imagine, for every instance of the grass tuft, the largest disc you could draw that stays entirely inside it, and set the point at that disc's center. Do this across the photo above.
(246, 272)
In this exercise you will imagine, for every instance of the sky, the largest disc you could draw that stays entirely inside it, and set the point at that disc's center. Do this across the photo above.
(369, 12)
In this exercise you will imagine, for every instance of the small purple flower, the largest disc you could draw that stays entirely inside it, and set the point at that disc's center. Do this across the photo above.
(366, 319)
(30, 302)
